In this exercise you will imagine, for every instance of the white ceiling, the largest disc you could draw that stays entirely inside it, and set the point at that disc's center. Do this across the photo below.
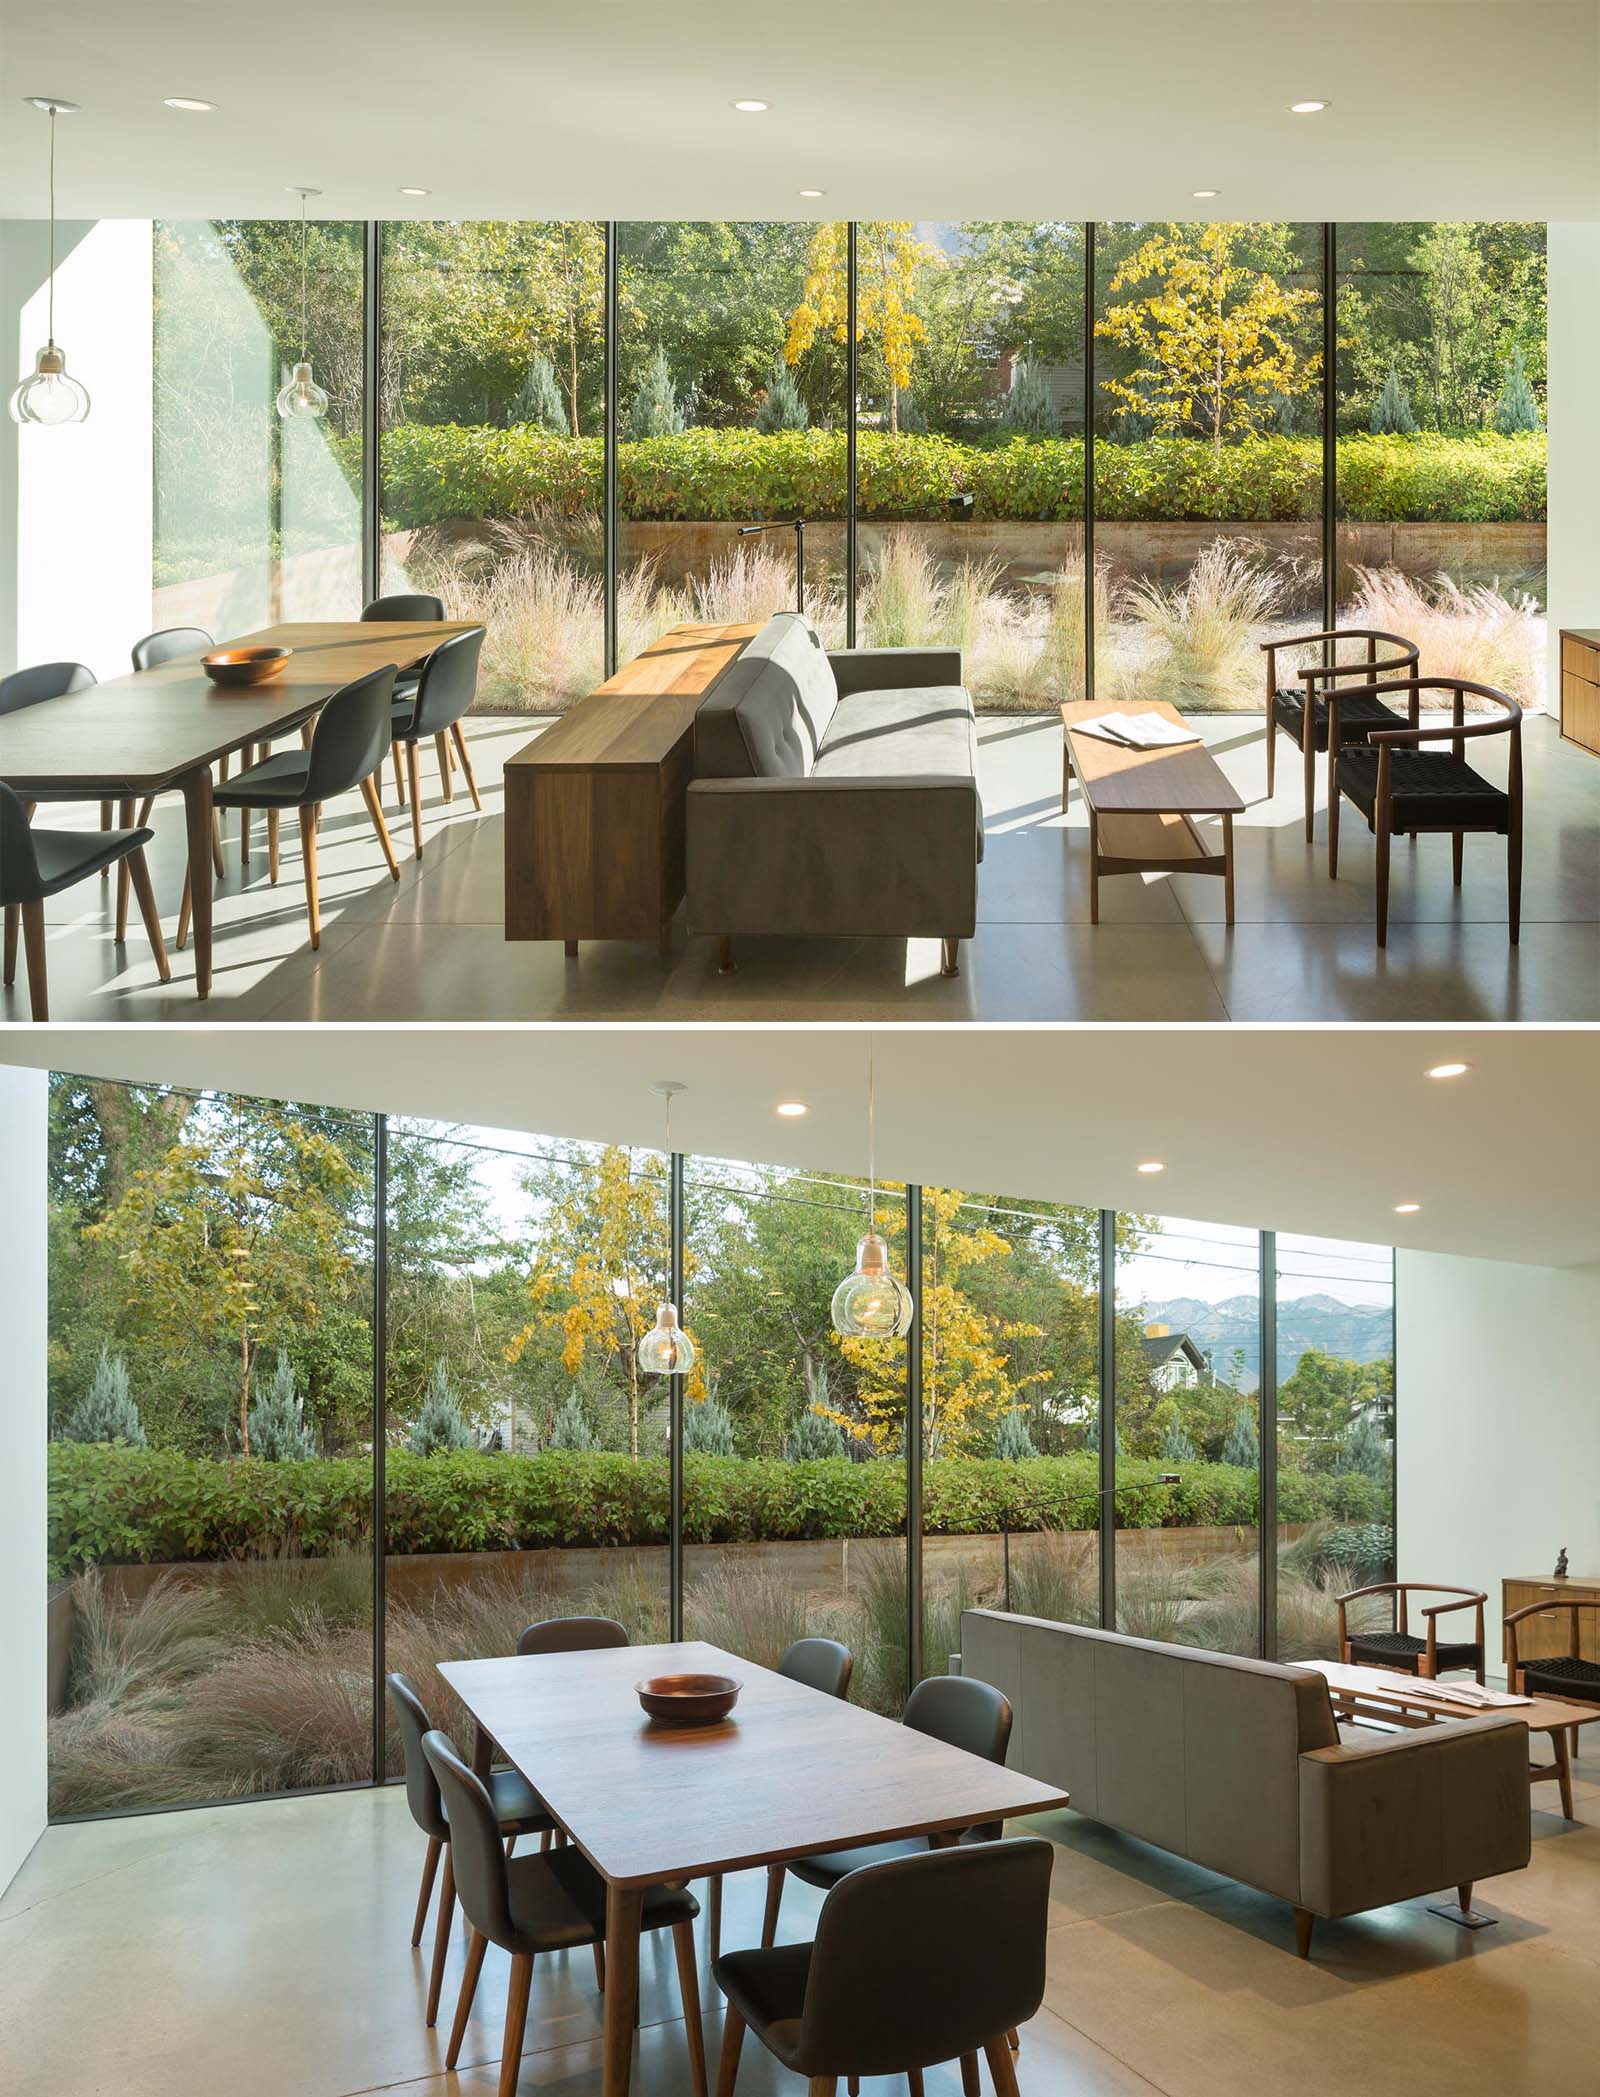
(1318, 1132)
(903, 108)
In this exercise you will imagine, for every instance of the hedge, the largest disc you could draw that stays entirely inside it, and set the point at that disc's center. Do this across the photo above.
(447, 471)
(112, 1505)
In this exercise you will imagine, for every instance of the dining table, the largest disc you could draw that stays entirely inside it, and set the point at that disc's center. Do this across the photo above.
(152, 731)
(789, 1772)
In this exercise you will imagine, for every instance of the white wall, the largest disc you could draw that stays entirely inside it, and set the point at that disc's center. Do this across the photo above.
(1573, 414)
(76, 515)
(23, 1097)
(1497, 1438)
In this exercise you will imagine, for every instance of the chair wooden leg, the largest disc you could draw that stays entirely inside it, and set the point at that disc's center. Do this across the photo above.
(714, 1915)
(599, 1965)
(370, 794)
(544, 1843)
(441, 1935)
(728, 2058)
(430, 1865)
(216, 844)
(1383, 884)
(1457, 842)
(398, 757)
(13, 927)
(1514, 877)
(516, 2024)
(414, 775)
(769, 1921)
(139, 875)
(914, 2081)
(1333, 824)
(145, 807)
(970, 2085)
(477, 1945)
(949, 957)
(511, 1843)
(1309, 762)
(1304, 1923)
(441, 744)
(274, 825)
(1003, 2073)
(1272, 761)
(244, 826)
(185, 911)
(465, 760)
(689, 1991)
(1014, 2039)
(33, 945)
(124, 822)
(308, 854)
(105, 815)
(822, 2086)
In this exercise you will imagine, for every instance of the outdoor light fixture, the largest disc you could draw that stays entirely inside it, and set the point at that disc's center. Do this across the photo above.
(1448, 1070)
(870, 1304)
(666, 1349)
(798, 526)
(191, 103)
(301, 398)
(49, 394)
(960, 508)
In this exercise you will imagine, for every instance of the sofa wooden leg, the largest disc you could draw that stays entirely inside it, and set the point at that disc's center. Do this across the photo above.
(1304, 1923)
(1464, 1897)
(949, 950)
(726, 965)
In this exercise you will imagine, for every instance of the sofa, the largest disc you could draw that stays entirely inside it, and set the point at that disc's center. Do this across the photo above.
(835, 794)
(1239, 1766)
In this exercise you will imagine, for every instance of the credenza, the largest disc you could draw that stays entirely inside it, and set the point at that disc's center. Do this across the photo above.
(1580, 687)
(1540, 1637)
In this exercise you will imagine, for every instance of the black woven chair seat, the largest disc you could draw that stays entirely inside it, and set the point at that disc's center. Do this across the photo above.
(1431, 790)
(1563, 1677)
(1398, 1649)
(1356, 716)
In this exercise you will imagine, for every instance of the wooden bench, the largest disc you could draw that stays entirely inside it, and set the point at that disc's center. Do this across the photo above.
(1142, 803)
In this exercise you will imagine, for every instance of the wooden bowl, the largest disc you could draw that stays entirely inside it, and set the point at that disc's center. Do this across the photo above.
(236, 666)
(688, 1700)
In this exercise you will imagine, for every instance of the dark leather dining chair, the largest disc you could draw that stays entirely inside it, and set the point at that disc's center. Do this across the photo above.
(37, 864)
(1400, 1649)
(917, 1959)
(533, 1904)
(957, 1709)
(36, 683)
(1288, 709)
(413, 606)
(347, 744)
(516, 1807)
(165, 645)
(572, 1634)
(446, 687)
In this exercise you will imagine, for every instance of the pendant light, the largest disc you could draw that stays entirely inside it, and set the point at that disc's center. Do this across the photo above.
(870, 1304)
(301, 398)
(49, 394)
(666, 1349)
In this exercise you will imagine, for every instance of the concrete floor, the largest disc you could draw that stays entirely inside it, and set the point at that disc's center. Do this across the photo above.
(262, 1950)
(1302, 948)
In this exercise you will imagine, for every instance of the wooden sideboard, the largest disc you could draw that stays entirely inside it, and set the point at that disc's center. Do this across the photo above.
(594, 837)
(1580, 687)
(1540, 1637)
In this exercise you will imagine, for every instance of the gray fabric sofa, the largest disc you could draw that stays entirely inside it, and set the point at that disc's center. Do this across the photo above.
(835, 794)
(1238, 1765)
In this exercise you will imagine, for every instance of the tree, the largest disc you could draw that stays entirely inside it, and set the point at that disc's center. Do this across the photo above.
(708, 1428)
(1029, 411)
(1365, 1451)
(888, 254)
(1013, 1444)
(1516, 409)
(1176, 1448)
(655, 410)
(540, 400)
(277, 1421)
(1391, 414)
(1319, 1405)
(1243, 1446)
(782, 409)
(439, 1424)
(813, 1438)
(571, 1429)
(1460, 322)
(1212, 343)
(106, 1411)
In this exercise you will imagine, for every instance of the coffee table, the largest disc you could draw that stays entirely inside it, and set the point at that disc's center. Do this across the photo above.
(1142, 803)
(1373, 1692)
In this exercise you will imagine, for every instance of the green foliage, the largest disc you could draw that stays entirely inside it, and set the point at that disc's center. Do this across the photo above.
(1029, 411)
(1391, 413)
(539, 398)
(1176, 1447)
(439, 1424)
(277, 1421)
(1516, 410)
(783, 408)
(1013, 1443)
(1243, 1446)
(708, 1428)
(106, 1412)
(813, 1438)
(570, 1428)
(655, 409)
(117, 1505)
(1365, 1451)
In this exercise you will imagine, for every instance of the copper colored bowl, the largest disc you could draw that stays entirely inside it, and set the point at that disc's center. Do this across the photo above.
(688, 1700)
(243, 665)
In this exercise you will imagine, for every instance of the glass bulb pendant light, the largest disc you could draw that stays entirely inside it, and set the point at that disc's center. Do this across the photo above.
(301, 398)
(871, 1304)
(50, 394)
(666, 1349)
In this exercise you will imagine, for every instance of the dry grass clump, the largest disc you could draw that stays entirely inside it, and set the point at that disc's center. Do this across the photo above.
(1055, 1574)
(1480, 631)
(1205, 631)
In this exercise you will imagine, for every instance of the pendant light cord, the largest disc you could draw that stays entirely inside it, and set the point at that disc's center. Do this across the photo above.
(872, 1140)
(51, 295)
(304, 300)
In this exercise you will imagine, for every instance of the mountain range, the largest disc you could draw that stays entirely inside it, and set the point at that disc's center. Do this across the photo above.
(1356, 1332)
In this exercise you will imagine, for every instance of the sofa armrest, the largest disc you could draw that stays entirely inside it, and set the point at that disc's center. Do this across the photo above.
(893, 669)
(834, 857)
(1415, 1812)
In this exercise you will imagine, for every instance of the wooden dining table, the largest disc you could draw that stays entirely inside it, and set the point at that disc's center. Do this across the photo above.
(162, 729)
(790, 1772)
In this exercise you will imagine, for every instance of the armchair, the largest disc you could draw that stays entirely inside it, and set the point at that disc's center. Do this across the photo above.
(1400, 1649)
(1566, 1674)
(1289, 709)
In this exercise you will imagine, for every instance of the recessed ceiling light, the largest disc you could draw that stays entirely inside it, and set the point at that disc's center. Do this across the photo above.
(1306, 108)
(407, 191)
(1407, 1208)
(792, 1109)
(1152, 1165)
(813, 192)
(1207, 192)
(189, 102)
(752, 108)
(1448, 1070)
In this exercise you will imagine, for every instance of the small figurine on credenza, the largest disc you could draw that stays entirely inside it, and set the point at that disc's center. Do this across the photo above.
(1561, 1564)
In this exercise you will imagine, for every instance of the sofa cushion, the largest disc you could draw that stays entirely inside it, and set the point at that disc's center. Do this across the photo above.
(769, 712)
(924, 733)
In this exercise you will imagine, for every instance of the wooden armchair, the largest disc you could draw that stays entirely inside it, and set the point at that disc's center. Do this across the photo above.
(1401, 785)
(1400, 1649)
(1289, 709)
(1568, 1674)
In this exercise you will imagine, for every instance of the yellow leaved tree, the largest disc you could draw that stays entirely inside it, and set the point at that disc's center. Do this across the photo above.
(888, 256)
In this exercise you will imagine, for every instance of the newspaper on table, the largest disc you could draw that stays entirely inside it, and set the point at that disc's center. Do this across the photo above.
(1138, 731)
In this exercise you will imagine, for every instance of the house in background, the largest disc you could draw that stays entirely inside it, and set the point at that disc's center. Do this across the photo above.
(1176, 1363)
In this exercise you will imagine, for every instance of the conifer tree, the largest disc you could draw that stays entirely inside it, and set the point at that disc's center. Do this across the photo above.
(1177, 1448)
(106, 1411)
(1391, 412)
(783, 409)
(708, 1428)
(1029, 410)
(655, 410)
(1013, 1444)
(277, 1421)
(1516, 409)
(539, 400)
(1364, 1451)
(1243, 1446)
(570, 1429)
(439, 1424)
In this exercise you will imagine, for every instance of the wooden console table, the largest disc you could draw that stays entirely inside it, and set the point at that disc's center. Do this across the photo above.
(594, 836)
(1580, 687)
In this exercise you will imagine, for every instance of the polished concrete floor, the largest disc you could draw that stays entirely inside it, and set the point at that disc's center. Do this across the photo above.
(262, 1951)
(1302, 947)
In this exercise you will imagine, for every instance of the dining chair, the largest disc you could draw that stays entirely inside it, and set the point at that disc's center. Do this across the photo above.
(918, 1959)
(347, 744)
(38, 682)
(1399, 785)
(571, 1634)
(516, 1806)
(957, 1709)
(165, 645)
(1287, 708)
(37, 864)
(412, 606)
(1400, 1649)
(1566, 1674)
(540, 1903)
(446, 687)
